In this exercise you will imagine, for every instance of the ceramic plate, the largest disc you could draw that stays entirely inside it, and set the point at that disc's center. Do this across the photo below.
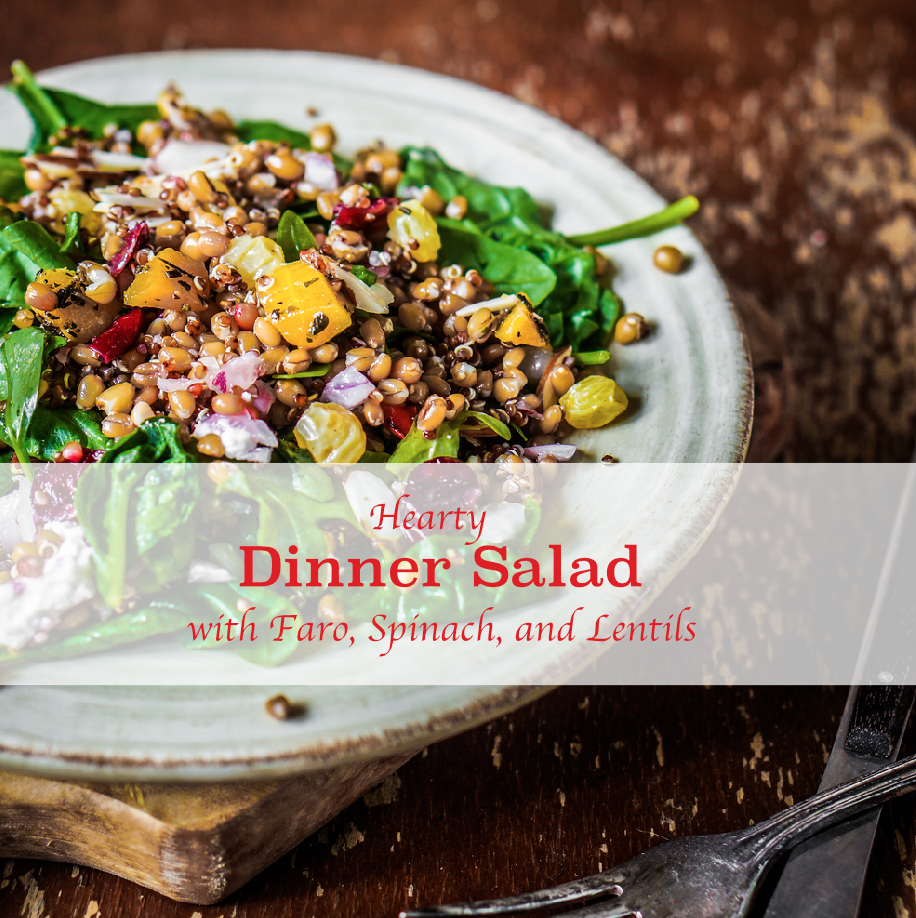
(690, 384)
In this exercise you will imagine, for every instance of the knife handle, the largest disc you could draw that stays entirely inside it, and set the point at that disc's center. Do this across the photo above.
(878, 719)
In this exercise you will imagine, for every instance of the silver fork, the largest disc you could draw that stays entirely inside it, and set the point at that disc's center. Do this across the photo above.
(704, 876)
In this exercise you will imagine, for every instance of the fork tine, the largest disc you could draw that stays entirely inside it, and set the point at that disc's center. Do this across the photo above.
(579, 891)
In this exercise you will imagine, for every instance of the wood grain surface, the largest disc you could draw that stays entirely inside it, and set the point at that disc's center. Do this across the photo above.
(568, 786)
(794, 121)
(193, 843)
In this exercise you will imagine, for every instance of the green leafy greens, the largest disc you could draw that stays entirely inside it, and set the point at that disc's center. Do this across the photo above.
(502, 235)
(52, 110)
(52, 428)
(417, 447)
(293, 236)
(646, 226)
(71, 244)
(272, 130)
(365, 275)
(12, 176)
(21, 360)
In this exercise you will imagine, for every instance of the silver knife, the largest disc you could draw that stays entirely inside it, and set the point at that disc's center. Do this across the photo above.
(824, 877)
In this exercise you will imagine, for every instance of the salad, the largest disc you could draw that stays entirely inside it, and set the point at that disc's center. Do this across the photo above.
(179, 286)
(181, 291)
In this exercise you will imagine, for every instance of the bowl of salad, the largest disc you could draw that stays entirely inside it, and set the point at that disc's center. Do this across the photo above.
(333, 262)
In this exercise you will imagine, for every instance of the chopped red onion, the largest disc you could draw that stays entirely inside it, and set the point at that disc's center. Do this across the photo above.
(524, 408)
(135, 239)
(240, 371)
(265, 397)
(243, 437)
(320, 171)
(348, 388)
(380, 270)
(563, 452)
(176, 385)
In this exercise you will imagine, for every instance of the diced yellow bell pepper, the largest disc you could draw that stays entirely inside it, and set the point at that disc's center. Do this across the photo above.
(253, 256)
(303, 305)
(411, 223)
(171, 280)
(76, 317)
(523, 326)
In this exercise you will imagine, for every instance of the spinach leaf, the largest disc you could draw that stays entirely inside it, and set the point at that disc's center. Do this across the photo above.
(7, 314)
(12, 181)
(22, 356)
(489, 421)
(373, 457)
(134, 516)
(496, 205)
(293, 236)
(578, 311)
(256, 129)
(72, 244)
(509, 268)
(34, 242)
(8, 217)
(52, 110)
(291, 515)
(592, 358)
(158, 440)
(16, 273)
(645, 226)
(488, 205)
(47, 118)
(94, 117)
(213, 600)
(502, 237)
(415, 447)
(312, 372)
(51, 429)
(288, 451)
(365, 275)
(96, 636)
(25, 248)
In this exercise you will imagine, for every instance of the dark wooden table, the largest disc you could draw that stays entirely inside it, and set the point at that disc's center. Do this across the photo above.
(794, 122)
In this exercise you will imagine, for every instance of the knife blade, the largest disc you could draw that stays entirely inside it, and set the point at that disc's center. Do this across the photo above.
(824, 877)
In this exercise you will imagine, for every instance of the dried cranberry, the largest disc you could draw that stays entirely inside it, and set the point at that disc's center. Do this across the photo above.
(119, 336)
(357, 216)
(399, 418)
(135, 239)
(435, 486)
(54, 488)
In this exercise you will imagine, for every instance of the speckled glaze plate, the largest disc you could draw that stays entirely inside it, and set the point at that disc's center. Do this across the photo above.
(690, 385)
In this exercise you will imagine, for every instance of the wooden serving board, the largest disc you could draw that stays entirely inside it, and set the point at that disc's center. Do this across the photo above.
(191, 842)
